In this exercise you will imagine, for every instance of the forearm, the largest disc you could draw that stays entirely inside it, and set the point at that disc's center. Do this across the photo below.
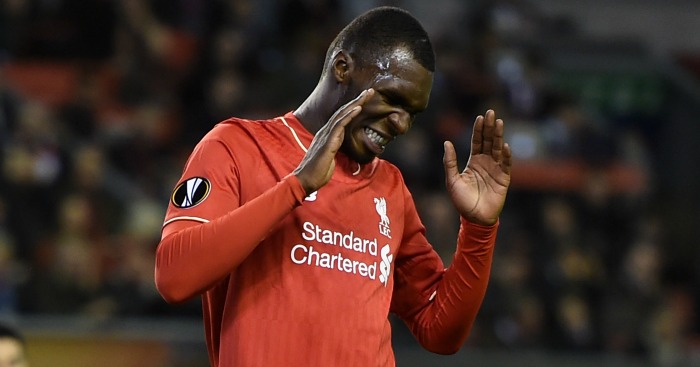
(191, 260)
(444, 324)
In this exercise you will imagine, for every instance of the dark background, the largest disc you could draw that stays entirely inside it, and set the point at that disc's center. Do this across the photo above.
(102, 101)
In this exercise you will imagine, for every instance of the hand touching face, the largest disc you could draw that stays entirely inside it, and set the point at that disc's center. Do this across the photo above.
(402, 88)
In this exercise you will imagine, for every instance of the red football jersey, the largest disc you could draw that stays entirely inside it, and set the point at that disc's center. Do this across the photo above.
(318, 287)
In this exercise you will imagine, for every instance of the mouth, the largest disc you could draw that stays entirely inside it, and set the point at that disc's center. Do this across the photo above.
(377, 141)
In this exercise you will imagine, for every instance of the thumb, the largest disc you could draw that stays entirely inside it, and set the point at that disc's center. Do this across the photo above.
(450, 162)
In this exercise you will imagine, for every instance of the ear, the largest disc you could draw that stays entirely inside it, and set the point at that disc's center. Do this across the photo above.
(342, 67)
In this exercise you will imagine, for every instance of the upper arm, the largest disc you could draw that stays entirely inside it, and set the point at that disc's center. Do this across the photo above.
(208, 188)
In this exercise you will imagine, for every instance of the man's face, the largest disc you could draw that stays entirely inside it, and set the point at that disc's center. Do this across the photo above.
(402, 89)
(11, 353)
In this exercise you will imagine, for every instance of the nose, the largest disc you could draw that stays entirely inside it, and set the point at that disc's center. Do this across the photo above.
(400, 121)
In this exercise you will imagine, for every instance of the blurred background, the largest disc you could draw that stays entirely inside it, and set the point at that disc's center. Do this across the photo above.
(596, 263)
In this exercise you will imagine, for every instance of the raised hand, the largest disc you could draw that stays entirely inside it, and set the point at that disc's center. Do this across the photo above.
(479, 191)
(316, 168)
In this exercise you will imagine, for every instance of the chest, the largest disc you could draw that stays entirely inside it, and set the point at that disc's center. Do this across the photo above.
(349, 230)
(343, 234)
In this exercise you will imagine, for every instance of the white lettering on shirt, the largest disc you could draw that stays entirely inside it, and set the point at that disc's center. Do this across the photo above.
(311, 254)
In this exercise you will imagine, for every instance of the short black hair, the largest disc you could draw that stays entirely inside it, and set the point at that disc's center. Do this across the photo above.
(380, 31)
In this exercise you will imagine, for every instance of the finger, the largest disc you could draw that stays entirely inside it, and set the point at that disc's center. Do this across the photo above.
(337, 131)
(351, 109)
(365, 95)
(340, 115)
(497, 148)
(345, 119)
(477, 135)
(450, 162)
(331, 135)
(489, 127)
(358, 101)
(506, 163)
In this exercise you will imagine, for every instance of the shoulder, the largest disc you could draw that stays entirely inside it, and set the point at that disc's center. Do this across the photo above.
(231, 137)
(240, 132)
(388, 174)
(234, 127)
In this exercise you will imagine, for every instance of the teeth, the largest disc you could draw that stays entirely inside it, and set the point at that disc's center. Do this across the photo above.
(376, 138)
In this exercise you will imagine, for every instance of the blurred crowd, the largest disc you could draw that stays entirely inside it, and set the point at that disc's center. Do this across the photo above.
(88, 165)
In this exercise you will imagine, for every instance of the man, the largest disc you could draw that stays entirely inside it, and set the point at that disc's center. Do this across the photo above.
(12, 348)
(301, 241)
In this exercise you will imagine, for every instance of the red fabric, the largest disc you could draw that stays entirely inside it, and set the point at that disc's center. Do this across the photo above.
(294, 282)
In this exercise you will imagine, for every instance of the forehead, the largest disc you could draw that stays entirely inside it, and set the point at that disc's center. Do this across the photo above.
(398, 72)
(396, 57)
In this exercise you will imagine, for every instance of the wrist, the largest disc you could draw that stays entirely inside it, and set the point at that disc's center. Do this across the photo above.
(308, 188)
(296, 187)
(479, 222)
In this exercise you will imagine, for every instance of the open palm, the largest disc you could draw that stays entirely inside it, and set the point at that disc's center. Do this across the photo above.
(479, 191)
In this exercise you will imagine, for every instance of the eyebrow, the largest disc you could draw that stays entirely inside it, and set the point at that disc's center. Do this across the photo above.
(397, 98)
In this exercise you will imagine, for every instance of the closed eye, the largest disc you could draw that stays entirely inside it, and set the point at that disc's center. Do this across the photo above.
(394, 100)
(398, 100)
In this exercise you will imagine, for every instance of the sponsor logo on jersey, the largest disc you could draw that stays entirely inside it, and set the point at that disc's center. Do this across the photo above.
(380, 205)
(342, 251)
(385, 264)
(191, 192)
(312, 196)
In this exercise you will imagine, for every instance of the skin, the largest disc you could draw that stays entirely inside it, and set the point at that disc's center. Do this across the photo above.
(12, 353)
(386, 97)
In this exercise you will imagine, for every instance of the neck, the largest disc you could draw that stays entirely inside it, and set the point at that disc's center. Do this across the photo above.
(318, 107)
